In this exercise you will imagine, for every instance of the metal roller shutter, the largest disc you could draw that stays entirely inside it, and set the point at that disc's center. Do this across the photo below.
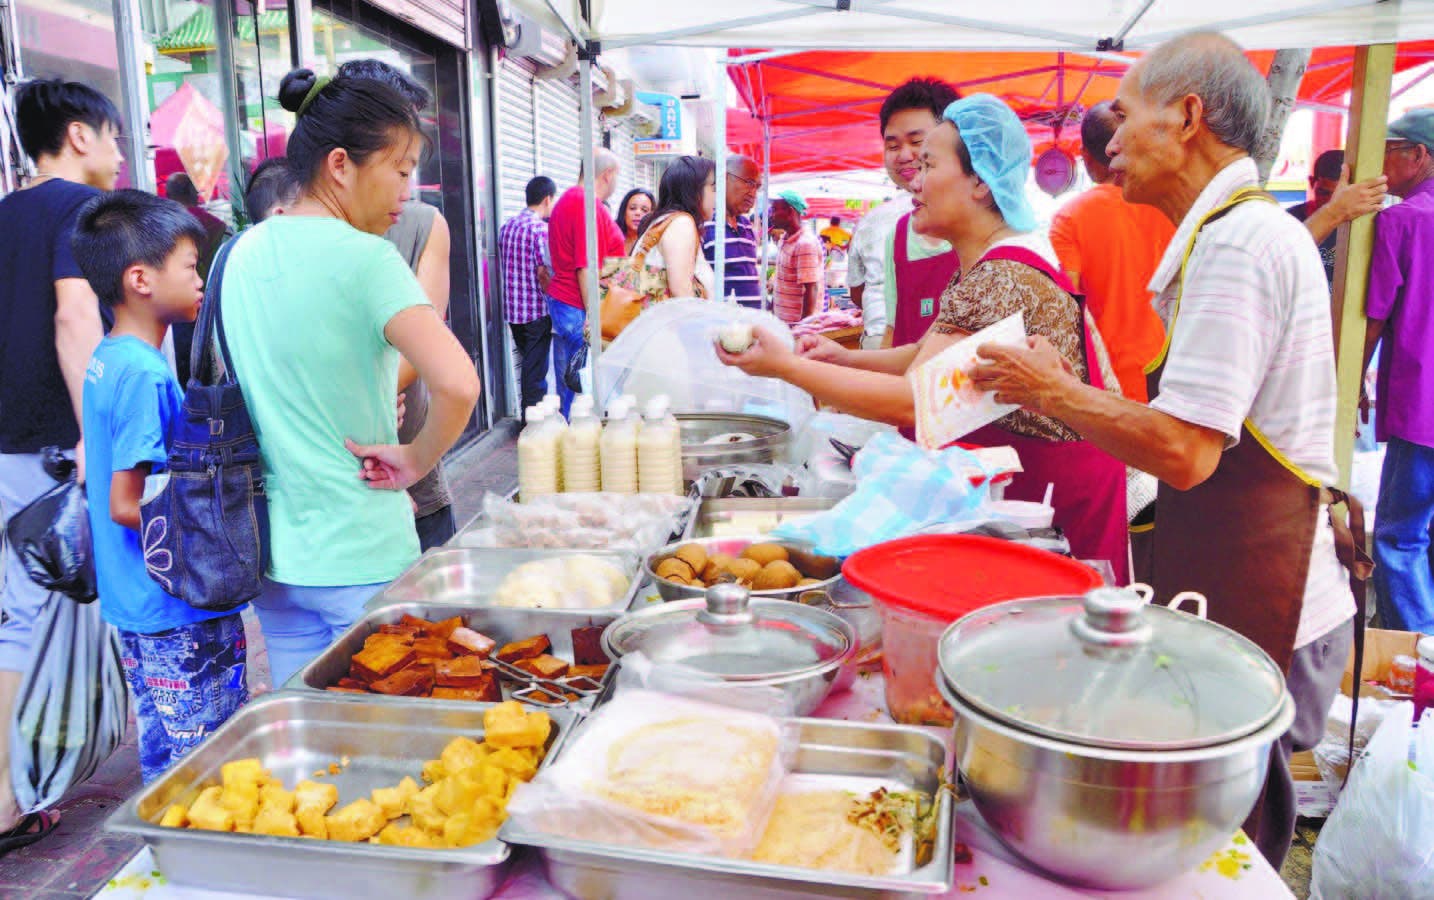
(559, 132)
(517, 153)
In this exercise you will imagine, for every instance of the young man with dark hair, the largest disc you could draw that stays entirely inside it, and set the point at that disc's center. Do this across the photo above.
(885, 262)
(49, 325)
(526, 272)
(1334, 201)
(185, 667)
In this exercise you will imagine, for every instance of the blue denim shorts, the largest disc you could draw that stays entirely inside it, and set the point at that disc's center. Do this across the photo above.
(186, 682)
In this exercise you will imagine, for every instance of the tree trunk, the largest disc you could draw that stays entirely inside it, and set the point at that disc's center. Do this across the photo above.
(1286, 72)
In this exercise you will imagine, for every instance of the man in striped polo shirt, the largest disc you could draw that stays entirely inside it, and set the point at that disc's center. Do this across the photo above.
(744, 182)
(1240, 425)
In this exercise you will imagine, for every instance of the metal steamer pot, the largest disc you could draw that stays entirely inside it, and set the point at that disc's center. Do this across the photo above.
(738, 438)
(1111, 743)
(832, 593)
(743, 640)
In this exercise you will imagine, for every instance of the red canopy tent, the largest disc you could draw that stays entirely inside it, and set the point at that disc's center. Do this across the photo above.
(821, 107)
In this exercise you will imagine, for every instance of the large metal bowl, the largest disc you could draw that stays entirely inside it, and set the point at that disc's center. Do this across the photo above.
(1110, 742)
(768, 442)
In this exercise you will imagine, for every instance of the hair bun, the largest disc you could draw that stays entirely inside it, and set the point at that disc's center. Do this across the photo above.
(295, 87)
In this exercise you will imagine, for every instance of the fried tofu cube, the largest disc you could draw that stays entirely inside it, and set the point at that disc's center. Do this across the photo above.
(463, 672)
(311, 802)
(596, 673)
(176, 816)
(394, 801)
(446, 628)
(273, 795)
(243, 801)
(404, 633)
(422, 627)
(243, 770)
(380, 659)
(448, 693)
(413, 681)
(423, 809)
(433, 648)
(359, 821)
(494, 781)
(519, 765)
(208, 813)
(407, 836)
(461, 753)
(276, 821)
(455, 830)
(456, 793)
(507, 725)
(433, 771)
(587, 646)
(525, 649)
(467, 642)
(544, 666)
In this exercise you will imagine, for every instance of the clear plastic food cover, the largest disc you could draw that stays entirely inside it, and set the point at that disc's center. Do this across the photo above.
(662, 772)
(669, 349)
(635, 523)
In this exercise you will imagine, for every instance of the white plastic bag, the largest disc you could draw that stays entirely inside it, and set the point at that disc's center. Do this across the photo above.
(1378, 844)
(73, 706)
(663, 772)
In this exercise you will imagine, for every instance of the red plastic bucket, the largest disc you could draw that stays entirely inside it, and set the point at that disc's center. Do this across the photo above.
(922, 584)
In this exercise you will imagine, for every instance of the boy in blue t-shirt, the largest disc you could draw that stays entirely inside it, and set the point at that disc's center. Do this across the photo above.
(185, 667)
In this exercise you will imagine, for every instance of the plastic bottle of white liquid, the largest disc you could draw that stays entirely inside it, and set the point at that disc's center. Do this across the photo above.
(619, 449)
(659, 450)
(581, 466)
(537, 457)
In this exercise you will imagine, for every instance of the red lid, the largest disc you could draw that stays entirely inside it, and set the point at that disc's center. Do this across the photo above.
(946, 576)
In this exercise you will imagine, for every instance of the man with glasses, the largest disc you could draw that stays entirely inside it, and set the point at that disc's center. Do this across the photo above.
(744, 183)
(1401, 285)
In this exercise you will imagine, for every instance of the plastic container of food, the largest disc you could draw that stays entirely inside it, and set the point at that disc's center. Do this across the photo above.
(923, 584)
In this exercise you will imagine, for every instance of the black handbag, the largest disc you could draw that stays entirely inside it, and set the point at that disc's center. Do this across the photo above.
(205, 532)
(51, 535)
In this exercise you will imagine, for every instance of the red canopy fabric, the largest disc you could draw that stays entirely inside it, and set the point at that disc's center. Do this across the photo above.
(821, 107)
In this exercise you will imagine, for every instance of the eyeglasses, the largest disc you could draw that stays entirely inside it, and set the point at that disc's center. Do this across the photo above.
(754, 185)
(1395, 147)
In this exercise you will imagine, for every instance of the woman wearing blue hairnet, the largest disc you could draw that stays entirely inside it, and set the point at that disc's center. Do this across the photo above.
(972, 193)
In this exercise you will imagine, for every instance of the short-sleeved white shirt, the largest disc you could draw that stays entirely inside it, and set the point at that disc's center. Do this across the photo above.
(866, 260)
(1252, 340)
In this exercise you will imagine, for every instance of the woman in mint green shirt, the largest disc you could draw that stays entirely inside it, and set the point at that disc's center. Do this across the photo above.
(317, 309)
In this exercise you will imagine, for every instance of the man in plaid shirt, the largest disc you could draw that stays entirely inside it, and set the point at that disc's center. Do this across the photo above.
(523, 254)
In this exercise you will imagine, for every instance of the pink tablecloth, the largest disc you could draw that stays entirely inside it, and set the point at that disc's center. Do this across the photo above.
(1236, 872)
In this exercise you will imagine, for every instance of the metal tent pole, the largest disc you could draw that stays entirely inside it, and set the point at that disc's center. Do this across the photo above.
(719, 210)
(132, 85)
(594, 305)
(766, 208)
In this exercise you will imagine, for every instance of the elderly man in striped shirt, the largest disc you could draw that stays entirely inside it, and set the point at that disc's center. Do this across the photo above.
(1240, 425)
(523, 254)
(744, 182)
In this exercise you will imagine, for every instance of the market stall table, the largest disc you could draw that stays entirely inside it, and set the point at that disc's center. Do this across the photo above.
(1235, 872)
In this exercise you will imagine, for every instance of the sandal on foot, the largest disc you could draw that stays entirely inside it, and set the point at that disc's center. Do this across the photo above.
(31, 829)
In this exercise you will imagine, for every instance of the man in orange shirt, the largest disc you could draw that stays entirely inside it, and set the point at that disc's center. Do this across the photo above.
(1110, 249)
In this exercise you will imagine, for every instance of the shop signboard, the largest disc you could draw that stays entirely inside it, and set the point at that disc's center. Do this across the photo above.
(667, 139)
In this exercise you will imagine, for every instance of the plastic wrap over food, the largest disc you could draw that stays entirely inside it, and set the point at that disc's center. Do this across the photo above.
(637, 523)
(760, 480)
(565, 582)
(670, 349)
(663, 772)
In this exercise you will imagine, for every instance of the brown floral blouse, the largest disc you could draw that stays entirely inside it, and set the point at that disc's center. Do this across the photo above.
(998, 288)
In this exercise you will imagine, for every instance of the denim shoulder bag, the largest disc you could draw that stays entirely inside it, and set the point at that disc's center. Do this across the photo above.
(206, 530)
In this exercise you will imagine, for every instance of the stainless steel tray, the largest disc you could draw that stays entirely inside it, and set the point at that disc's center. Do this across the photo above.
(472, 575)
(294, 735)
(619, 872)
(501, 623)
(750, 515)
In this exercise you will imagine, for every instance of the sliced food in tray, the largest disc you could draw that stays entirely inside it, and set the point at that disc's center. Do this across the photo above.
(448, 660)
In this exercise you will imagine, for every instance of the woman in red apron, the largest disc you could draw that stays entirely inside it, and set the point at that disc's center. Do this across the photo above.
(919, 284)
(971, 192)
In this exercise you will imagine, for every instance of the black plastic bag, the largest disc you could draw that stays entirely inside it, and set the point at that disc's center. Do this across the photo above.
(573, 374)
(51, 536)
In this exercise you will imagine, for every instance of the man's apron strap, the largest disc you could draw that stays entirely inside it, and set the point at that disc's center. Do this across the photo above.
(1349, 546)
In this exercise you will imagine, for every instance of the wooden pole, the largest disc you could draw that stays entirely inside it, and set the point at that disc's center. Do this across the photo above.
(1364, 152)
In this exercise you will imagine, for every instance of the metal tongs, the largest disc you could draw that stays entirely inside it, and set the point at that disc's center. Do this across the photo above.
(546, 692)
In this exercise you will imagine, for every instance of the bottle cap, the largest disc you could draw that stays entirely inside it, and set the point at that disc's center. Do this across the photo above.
(536, 413)
(657, 406)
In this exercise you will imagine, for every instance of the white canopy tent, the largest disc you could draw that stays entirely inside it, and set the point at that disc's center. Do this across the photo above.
(1095, 28)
